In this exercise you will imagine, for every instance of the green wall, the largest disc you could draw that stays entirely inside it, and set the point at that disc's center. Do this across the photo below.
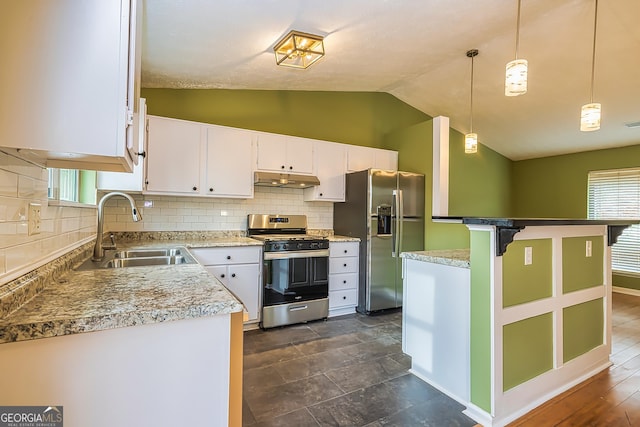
(358, 118)
(481, 369)
(527, 349)
(479, 184)
(525, 283)
(556, 187)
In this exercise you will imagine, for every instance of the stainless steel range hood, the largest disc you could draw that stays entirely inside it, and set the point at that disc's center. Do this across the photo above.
(287, 180)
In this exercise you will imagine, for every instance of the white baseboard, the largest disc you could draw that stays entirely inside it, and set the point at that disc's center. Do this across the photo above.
(626, 291)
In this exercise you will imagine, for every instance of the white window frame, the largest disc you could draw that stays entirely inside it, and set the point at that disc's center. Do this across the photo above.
(615, 194)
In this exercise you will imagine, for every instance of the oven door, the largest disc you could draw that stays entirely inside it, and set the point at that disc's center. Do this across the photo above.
(289, 277)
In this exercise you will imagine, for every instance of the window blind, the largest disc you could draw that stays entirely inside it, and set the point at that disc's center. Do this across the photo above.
(615, 194)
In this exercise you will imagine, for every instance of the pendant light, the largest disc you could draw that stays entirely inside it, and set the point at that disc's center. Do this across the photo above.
(471, 139)
(515, 82)
(591, 112)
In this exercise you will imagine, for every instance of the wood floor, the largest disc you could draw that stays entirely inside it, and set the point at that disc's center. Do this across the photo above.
(611, 398)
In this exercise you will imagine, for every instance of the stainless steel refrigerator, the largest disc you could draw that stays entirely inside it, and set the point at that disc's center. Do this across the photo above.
(385, 209)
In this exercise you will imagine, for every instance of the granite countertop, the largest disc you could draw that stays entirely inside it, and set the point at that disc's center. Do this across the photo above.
(58, 300)
(63, 301)
(338, 238)
(451, 257)
(94, 300)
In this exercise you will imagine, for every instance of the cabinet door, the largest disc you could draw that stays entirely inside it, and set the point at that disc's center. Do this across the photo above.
(360, 158)
(243, 281)
(286, 154)
(173, 156)
(386, 159)
(220, 273)
(272, 150)
(229, 162)
(300, 155)
(329, 167)
(65, 79)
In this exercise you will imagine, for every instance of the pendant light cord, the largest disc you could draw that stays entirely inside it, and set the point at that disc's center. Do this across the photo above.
(471, 101)
(518, 29)
(593, 56)
(471, 54)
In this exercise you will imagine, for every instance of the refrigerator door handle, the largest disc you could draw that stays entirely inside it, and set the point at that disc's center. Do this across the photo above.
(400, 219)
(396, 240)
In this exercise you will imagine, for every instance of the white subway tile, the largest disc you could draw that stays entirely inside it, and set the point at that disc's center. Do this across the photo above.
(8, 183)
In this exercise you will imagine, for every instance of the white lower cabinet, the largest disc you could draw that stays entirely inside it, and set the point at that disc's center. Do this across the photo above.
(239, 269)
(343, 277)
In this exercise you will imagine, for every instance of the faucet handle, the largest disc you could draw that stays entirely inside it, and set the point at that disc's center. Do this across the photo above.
(113, 242)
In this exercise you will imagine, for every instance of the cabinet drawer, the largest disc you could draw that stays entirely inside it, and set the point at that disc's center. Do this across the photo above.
(343, 265)
(343, 249)
(344, 298)
(343, 281)
(227, 255)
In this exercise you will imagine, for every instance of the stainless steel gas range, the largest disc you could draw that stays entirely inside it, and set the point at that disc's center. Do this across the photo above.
(295, 270)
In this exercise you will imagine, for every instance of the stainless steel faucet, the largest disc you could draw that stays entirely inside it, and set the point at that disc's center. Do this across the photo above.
(98, 250)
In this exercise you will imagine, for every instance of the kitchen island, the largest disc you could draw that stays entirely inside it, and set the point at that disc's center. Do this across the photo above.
(157, 345)
(526, 317)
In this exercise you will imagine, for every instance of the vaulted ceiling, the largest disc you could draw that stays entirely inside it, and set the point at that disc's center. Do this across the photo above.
(415, 50)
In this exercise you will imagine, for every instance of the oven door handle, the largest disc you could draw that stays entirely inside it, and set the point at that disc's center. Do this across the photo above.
(297, 254)
(298, 307)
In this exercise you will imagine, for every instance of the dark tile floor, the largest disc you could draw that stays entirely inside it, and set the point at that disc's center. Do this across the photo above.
(346, 371)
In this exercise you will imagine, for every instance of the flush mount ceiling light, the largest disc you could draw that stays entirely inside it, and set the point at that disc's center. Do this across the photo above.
(471, 139)
(298, 49)
(591, 112)
(515, 82)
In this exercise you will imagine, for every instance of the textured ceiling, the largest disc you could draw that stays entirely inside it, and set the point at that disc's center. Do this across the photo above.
(415, 50)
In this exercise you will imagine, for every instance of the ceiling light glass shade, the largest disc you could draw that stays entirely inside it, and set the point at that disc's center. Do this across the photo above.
(515, 82)
(471, 143)
(299, 50)
(590, 117)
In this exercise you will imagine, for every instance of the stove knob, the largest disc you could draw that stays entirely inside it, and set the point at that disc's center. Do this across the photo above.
(300, 245)
(315, 245)
(285, 246)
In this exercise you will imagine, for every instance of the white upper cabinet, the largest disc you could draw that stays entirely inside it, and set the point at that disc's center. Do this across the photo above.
(173, 157)
(286, 154)
(69, 81)
(386, 159)
(330, 161)
(198, 159)
(229, 162)
(361, 158)
(128, 181)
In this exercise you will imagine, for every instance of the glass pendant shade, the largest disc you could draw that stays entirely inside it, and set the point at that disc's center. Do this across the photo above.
(590, 117)
(299, 50)
(471, 143)
(515, 82)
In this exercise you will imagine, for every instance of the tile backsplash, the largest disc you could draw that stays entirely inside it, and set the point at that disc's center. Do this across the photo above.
(62, 227)
(198, 213)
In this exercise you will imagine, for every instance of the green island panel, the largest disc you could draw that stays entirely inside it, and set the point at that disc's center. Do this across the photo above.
(578, 270)
(525, 283)
(527, 349)
(480, 345)
(583, 328)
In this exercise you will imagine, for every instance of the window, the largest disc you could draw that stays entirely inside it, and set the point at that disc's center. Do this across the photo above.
(72, 185)
(615, 194)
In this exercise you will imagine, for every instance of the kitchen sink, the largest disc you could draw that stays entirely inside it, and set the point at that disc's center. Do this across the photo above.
(140, 258)
(144, 261)
(146, 253)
